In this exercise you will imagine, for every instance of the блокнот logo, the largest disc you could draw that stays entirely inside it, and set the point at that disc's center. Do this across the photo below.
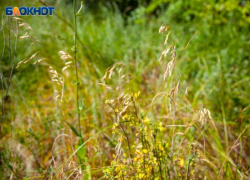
(25, 11)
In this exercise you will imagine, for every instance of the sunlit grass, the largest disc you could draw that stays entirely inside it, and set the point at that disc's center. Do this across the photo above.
(161, 124)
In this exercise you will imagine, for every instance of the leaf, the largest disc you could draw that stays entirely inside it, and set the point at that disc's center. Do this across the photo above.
(81, 153)
(60, 37)
(74, 49)
(91, 137)
(75, 82)
(78, 13)
(81, 106)
(73, 129)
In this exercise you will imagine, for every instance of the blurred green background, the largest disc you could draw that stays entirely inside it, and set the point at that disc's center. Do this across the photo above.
(216, 63)
(215, 66)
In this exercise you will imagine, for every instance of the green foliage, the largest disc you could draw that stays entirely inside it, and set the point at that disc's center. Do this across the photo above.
(74, 130)
(212, 12)
(214, 66)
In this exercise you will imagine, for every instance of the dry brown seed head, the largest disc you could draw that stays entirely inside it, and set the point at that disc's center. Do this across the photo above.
(64, 55)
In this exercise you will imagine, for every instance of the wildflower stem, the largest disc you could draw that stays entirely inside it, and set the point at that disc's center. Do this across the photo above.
(225, 124)
(136, 113)
(130, 154)
(76, 72)
(172, 147)
(188, 166)
(124, 132)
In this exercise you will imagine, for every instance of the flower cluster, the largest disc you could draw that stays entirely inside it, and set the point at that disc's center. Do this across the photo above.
(144, 143)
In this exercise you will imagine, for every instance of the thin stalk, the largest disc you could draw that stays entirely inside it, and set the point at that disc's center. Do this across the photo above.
(76, 71)
(130, 154)
(172, 147)
(224, 124)
(124, 132)
(10, 70)
(2, 102)
(222, 105)
(187, 175)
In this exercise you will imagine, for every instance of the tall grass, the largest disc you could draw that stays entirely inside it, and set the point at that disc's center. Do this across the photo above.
(160, 129)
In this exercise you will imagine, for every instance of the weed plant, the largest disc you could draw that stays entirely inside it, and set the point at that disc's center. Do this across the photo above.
(103, 98)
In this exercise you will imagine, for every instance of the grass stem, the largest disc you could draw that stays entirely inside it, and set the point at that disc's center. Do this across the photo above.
(76, 71)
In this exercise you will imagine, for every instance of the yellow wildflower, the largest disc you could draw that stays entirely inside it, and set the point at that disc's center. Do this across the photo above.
(107, 101)
(160, 128)
(141, 175)
(181, 162)
(136, 95)
(145, 151)
(146, 120)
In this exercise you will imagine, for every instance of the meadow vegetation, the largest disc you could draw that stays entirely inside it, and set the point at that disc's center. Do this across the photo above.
(113, 90)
